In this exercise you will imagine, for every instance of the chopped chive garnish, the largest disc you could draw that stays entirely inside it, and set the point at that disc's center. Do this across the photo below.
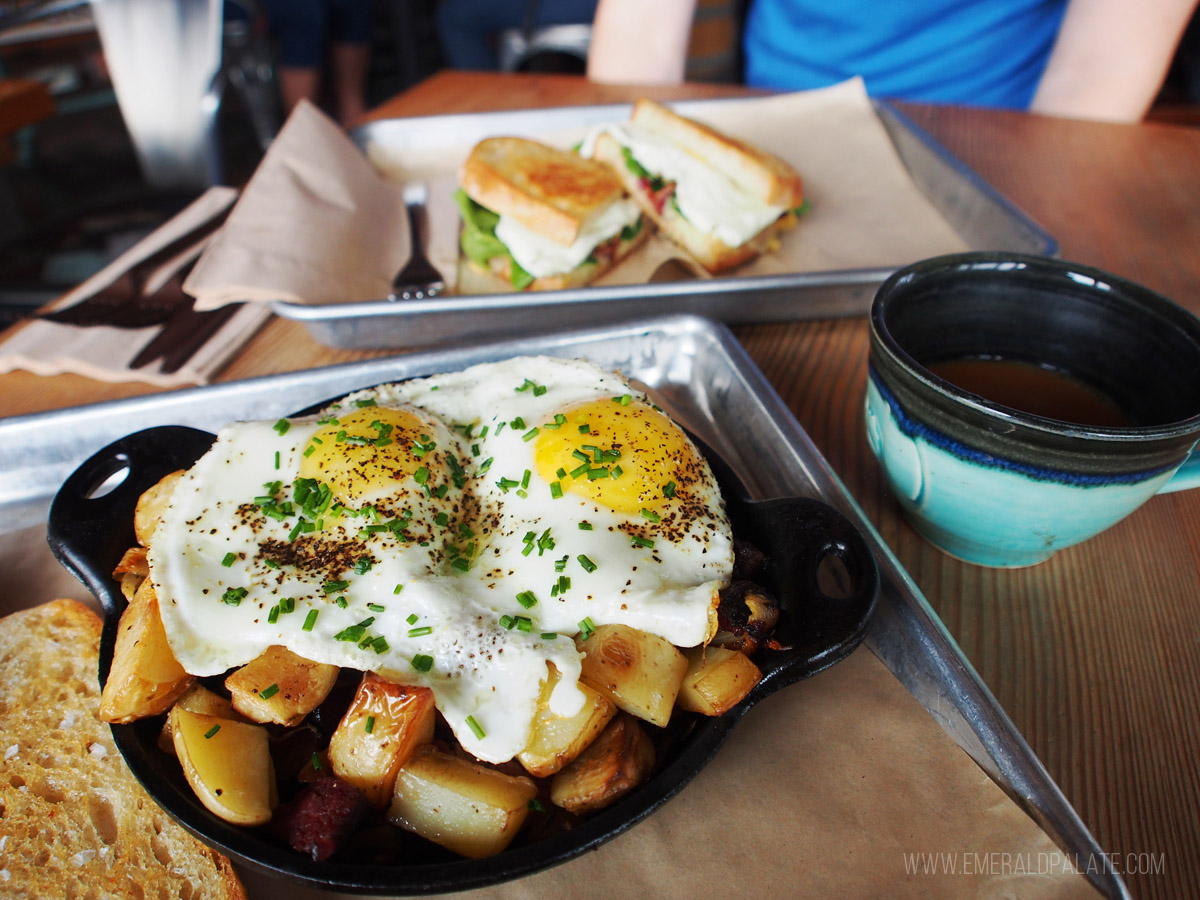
(624, 399)
(524, 624)
(370, 726)
(507, 621)
(585, 429)
(212, 731)
(669, 489)
(561, 473)
(527, 599)
(234, 596)
(586, 627)
(517, 423)
(556, 489)
(270, 564)
(273, 615)
(421, 475)
(287, 605)
(530, 434)
(316, 761)
(585, 526)
(362, 566)
(376, 607)
(638, 541)
(397, 589)
(651, 516)
(561, 564)
(334, 587)
(549, 635)
(341, 601)
(588, 565)
(616, 473)
(310, 620)
(229, 560)
(536, 805)
(412, 618)
(380, 644)
(422, 663)
(277, 459)
(268, 692)
(420, 632)
(525, 480)
(476, 728)
(282, 426)
(363, 403)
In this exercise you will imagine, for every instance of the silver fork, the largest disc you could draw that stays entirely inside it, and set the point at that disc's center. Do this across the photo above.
(419, 279)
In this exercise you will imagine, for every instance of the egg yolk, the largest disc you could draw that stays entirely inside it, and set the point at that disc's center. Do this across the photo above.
(627, 458)
(368, 452)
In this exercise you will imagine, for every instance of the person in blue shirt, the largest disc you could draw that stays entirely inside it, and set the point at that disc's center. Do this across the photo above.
(1098, 59)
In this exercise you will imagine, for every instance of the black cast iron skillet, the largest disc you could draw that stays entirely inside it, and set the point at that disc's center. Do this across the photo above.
(91, 525)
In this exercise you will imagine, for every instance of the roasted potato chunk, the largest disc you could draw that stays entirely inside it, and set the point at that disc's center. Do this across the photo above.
(228, 765)
(279, 686)
(466, 807)
(145, 678)
(639, 672)
(151, 505)
(384, 726)
(556, 740)
(616, 762)
(716, 680)
(197, 699)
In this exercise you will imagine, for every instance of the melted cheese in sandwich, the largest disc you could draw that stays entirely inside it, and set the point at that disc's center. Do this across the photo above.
(707, 197)
(540, 256)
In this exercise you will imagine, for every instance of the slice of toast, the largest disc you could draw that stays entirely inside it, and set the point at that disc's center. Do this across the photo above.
(710, 252)
(74, 822)
(549, 190)
(761, 174)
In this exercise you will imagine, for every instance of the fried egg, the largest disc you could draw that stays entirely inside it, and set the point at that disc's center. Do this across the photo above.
(455, 532)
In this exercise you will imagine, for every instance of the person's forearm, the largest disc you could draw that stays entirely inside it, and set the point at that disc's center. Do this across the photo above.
(640, 42)
(1110, 58)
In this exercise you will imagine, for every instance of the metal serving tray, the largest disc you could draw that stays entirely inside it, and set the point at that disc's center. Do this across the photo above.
(699, 373)
(973, 208)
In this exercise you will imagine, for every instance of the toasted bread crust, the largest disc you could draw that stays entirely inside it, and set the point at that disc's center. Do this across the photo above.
(549, 190)
(710, 252)
(75, 820)
(763, 174)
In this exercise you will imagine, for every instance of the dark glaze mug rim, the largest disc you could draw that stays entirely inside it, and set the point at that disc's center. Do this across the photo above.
(992, 265)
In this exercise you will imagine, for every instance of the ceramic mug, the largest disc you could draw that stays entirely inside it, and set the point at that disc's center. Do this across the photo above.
(998, 486)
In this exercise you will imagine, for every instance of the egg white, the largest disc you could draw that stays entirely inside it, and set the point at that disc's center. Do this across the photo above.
(492, 611)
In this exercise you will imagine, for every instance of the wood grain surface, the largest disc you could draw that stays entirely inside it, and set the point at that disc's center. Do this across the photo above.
(1094, 654)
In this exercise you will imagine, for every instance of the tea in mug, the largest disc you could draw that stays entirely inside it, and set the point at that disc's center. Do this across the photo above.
(1031, 388)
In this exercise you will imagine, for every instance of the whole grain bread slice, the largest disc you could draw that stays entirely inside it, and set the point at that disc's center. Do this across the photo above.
(74, 822)
(552, 191)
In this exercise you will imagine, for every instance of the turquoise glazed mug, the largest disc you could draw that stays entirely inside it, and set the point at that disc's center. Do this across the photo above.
(1019, 404)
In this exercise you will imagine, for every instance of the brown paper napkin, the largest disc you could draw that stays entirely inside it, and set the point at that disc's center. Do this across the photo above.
(314, 224)
(841, 786)
(105, 353)
(318, 223)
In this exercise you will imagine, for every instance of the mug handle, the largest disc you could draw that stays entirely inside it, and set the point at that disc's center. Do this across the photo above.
(1186, 476)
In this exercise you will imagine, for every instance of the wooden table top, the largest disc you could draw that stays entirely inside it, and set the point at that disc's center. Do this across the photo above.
(1094, 653)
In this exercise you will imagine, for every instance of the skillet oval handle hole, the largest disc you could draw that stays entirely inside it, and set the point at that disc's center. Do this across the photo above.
(833, 578)
(107, 477)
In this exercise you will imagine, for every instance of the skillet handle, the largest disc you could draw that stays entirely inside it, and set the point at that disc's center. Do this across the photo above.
(813, 549)
(81, 530)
